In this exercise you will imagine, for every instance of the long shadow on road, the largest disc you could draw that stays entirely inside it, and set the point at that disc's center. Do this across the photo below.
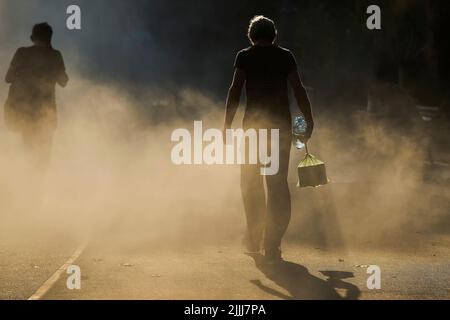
(302, 285)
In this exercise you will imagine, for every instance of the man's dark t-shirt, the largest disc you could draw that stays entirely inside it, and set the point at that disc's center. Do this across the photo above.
(267, 69)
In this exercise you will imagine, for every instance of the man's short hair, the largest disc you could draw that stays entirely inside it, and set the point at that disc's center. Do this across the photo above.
(262, 28)
(42, 32)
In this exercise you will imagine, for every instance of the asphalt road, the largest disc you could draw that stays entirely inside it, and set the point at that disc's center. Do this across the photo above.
(225, 272)
(27, 263)
(416, 266)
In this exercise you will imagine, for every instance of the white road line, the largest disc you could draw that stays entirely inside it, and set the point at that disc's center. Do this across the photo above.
(42, 291)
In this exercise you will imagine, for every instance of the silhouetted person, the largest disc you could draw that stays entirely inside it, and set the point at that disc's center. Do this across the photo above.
(31, 108)
(266, 69)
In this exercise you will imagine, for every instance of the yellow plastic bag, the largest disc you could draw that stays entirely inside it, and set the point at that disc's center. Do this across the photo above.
(311, 172)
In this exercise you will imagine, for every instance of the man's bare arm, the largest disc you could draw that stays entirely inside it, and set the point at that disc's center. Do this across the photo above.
(234, 95)
(302, 100)
(61, 78)
(11, 75)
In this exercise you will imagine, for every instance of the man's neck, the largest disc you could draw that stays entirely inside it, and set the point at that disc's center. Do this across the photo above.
(263, 43)
(41, 44)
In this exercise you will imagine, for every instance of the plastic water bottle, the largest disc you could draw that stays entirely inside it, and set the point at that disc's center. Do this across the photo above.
(299, 130)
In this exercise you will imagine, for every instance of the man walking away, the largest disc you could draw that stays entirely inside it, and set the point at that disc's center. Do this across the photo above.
(266, 69)
(31, 108)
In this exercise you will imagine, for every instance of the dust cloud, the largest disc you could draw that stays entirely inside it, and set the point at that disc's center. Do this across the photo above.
(111, 175)
(109, 171)
(379, 195)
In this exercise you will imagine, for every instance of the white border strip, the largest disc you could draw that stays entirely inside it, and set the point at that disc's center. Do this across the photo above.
(45, 288)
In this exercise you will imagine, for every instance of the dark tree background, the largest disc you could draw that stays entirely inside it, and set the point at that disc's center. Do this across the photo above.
(194, 44)
(181, 43)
